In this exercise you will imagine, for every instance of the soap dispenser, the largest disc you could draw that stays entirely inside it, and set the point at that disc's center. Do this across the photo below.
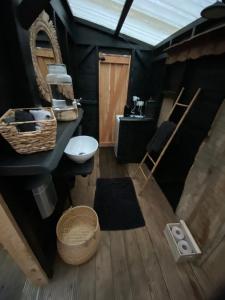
(126, 111)
(150, 108)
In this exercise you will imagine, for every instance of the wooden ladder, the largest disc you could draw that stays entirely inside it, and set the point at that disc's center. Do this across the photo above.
(147, 155)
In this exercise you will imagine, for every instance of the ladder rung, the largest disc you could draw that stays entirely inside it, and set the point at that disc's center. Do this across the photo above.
(151, 159)
(181, 104)
(155, 163)
(142, 171)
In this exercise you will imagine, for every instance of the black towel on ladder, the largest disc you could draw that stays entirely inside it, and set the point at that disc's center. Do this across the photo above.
(161, 137)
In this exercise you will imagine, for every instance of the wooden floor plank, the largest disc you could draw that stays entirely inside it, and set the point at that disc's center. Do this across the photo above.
(153, 271)
(86, 280)
(139, 280)
(104, 278)
(12, 280)
(83, 194)
(203, 279)
(129, 265)
(30, 292)
(179, 278)
(121, 278)
(17, 246)
(62, 286)
(109, 167)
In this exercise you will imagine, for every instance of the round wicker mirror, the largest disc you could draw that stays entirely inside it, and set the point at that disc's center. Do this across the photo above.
(45, 50)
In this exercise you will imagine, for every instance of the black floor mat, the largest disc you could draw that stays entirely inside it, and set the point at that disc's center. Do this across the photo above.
(116, 204)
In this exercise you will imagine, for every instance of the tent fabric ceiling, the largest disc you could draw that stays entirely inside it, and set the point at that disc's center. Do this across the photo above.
(101, 12)
(150, 21)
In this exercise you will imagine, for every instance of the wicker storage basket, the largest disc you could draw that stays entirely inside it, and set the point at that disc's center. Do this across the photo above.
(66, 113)
(78, 235)
(28, 142)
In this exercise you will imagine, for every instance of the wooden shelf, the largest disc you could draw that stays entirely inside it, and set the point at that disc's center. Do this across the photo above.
(189, 40)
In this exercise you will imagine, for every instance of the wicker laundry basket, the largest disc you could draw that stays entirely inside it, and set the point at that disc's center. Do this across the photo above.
(78, 235)
(42, 139)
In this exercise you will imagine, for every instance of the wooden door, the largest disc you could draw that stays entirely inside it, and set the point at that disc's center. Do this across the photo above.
(113, 85)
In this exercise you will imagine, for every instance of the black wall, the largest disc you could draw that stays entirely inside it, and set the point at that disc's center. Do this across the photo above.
(18, 86)
(82, 53)
(207, 73)
(80, 44)
(6, 94)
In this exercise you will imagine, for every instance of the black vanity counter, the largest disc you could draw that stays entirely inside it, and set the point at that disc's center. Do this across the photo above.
(14, 164)
(19, 172)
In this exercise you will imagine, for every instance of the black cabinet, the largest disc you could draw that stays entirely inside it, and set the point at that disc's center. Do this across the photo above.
(132, 137)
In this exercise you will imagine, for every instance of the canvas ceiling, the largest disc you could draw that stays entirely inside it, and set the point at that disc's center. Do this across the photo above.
(150, 21)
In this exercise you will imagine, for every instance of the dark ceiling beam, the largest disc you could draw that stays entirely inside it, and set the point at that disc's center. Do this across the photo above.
(123, 16)
(29, 10)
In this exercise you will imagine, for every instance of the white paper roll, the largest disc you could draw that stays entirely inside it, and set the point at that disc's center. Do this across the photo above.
(177, 233)
(184, 247)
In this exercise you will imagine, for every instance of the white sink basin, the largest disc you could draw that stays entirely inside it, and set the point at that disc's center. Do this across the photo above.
(81, 148)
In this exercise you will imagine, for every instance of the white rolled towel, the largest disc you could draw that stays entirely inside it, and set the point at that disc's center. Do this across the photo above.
(184, 247)
(40, 114)
(178, 233)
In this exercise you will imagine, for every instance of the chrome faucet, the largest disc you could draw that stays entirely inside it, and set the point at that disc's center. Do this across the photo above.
(77, 101)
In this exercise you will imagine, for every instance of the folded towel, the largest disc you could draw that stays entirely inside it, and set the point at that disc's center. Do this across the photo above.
(40, 114)
(23, 116)
(9, 119)
(161, 137)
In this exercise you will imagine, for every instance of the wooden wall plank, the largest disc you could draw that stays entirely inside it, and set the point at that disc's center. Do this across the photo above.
(202, 203)
(14, 242)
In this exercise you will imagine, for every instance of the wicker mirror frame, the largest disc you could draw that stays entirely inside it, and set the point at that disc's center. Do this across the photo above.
(43, 23)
